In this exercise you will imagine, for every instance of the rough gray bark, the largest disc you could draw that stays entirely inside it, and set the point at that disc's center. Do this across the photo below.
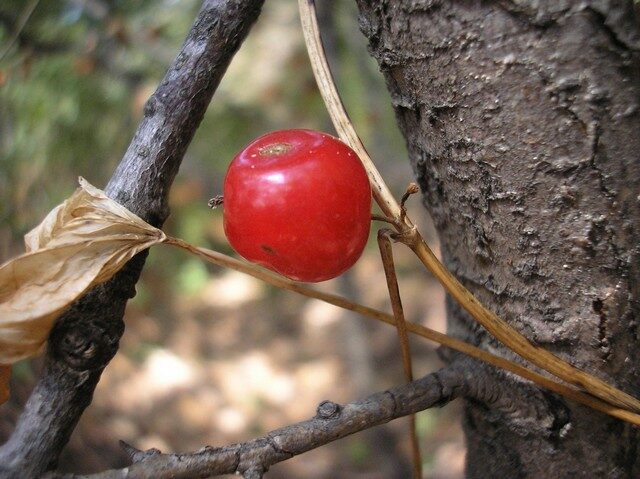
(522, 120)
(86, 337)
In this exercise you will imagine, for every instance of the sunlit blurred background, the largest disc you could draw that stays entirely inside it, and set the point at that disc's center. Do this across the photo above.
(209, 356)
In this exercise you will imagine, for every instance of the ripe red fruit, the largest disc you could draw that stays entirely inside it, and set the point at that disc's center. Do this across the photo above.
(299, 203)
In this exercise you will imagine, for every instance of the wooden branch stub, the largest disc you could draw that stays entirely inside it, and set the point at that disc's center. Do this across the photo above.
(328, 410)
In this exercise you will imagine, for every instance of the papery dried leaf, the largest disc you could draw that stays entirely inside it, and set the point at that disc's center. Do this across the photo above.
(82, 242)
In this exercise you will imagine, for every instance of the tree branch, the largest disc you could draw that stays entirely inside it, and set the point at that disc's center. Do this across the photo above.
(22, 21)
(86, 337)
(332, 422)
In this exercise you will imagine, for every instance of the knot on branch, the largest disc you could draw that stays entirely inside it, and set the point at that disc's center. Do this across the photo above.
(87, 348)
(328, 410)
(81, 351)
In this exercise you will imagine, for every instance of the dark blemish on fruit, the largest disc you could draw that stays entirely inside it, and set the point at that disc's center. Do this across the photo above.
(275, 149)
(268, 249)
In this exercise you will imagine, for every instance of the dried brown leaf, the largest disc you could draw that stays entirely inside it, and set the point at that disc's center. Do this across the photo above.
(82, 242)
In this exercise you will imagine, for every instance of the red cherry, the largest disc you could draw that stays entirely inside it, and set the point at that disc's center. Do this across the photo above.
(299, 203)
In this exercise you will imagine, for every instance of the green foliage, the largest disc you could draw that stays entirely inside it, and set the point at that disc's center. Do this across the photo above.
(68, 87)
(192, 276)
(426, 422)
(359, 452)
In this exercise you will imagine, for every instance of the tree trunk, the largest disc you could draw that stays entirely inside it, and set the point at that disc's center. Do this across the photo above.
(522, 122)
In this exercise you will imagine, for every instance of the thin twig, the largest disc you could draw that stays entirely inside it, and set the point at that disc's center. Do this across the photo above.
(386, 253)
(22, 22)
(332, 421)
(392, 221)
(499, 328)
(412, 189)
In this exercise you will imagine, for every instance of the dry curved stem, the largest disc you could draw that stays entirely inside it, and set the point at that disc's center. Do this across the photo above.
(339, 117)
(386, 253)
(500, 329)
(281, 282)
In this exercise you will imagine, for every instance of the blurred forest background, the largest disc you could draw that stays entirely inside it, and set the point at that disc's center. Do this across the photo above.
(211, 357)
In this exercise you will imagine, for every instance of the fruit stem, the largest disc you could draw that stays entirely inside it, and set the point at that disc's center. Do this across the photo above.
(216, 201)
(412, 189)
